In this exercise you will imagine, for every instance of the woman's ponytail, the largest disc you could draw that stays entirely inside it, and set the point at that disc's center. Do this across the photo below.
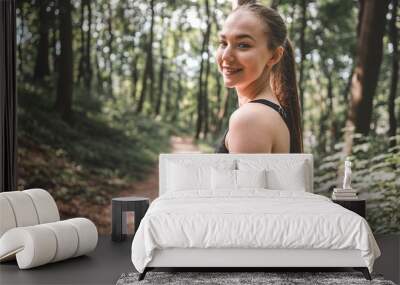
(285, 87)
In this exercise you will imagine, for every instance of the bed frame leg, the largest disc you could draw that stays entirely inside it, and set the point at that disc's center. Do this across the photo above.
(143, 274)
(364, 271)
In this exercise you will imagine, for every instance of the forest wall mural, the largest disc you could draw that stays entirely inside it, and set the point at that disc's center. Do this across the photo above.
(105, 86)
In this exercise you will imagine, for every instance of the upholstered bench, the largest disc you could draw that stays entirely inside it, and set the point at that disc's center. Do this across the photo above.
(31, 231)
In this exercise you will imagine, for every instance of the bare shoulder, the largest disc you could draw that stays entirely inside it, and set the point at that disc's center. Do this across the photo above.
(257, 115)
(249, 131)
(255, 128)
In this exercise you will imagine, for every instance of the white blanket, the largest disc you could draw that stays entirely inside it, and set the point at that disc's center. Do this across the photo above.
(250, 219)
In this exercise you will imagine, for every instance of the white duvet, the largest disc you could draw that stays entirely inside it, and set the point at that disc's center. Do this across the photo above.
(250, 219)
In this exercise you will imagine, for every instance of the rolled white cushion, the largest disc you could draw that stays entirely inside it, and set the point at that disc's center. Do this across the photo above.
(23, 208)
(33, 246)
(45, 205)
(67, 240)
(87, 235)
(7, 218)
(40, 244)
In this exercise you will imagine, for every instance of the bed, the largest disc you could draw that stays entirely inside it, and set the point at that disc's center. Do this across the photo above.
(247, 210)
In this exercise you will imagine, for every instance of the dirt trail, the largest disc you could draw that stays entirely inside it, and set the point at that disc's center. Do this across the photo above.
(148, 187)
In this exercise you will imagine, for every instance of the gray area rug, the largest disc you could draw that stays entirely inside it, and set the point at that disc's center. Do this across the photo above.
(229, 278)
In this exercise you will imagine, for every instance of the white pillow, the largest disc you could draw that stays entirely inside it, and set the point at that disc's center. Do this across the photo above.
(279, 180)
(229, 180)
(223, 179)
(282, 174)
(251, 178)
(193, 175)
(183, 178)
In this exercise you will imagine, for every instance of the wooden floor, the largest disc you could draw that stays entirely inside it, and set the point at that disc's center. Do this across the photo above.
(102, 266)
(111, 259)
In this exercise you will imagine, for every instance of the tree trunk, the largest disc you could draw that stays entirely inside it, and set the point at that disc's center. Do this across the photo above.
(85, 68)
(88, 61)
(99, 52)
(160, 84)
(366, 72)
(145, 75)
(330, 113)
(110, 52)
(393, 35)
(148, 73)
(81, 68)
(151, 61)
(167, 112)
(99, 77)
(206, 103)
(346, 93)
(199, 122)
(219, 100)
(323, 113)
(222, 116)
(322, 133)
(55, 39)
(176, 48)
(176, 111)
(65, 77)
(200, 94)
(135, 76)
(161, 72)
(292, 15)
(303, 53)
(345, 101)
(42, 57)
(217, 76)
(20, 6)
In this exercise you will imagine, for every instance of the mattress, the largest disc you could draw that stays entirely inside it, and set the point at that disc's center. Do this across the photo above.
(251, 219)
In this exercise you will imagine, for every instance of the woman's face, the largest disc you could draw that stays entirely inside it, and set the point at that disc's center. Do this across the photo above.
(242, 55)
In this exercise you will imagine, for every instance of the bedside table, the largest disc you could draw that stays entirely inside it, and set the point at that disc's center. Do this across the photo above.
(357, 206)
(119, 207)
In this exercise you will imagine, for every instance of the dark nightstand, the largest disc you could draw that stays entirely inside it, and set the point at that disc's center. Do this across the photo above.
(357, 206)
(120, 207)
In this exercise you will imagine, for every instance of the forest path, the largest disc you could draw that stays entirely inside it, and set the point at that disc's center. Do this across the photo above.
(148, 187)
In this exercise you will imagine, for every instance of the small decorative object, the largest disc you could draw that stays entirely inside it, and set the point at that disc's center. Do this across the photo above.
(347, 175)
(347, 192)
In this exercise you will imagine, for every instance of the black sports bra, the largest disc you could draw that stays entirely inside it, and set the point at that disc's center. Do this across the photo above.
(221, 148)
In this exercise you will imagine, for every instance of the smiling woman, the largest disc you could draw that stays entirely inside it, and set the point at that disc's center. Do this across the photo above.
(256, 58)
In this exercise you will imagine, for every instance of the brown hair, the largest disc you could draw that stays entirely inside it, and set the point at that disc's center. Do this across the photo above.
(283, 73)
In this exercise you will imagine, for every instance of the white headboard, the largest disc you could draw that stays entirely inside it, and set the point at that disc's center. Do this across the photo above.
(210, 158)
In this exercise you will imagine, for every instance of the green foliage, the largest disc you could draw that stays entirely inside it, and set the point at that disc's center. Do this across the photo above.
(375, 174)
(89, 146)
